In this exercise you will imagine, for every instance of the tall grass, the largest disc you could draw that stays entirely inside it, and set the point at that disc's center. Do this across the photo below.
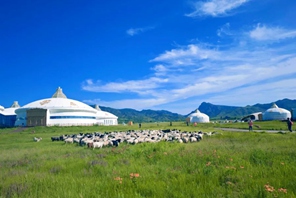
(230, 165)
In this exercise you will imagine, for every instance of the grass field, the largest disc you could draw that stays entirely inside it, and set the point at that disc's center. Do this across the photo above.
(235, 164)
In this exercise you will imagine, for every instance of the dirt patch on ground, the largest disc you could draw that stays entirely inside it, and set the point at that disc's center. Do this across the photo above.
(19, 129)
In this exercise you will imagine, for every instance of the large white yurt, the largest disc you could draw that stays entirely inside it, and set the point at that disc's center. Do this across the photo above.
(198, 117)
(276, 113)
(61, 111)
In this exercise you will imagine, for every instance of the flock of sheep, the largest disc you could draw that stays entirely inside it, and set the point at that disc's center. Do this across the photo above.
(99, 140)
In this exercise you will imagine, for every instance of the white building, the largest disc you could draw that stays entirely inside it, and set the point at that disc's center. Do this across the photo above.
(198, 117)
(8, 115)
(276, 113)
(61, 111)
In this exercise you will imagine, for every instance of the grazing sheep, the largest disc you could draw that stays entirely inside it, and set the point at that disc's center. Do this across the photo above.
(115, 143)
(185, 139)
(97, 145)
(55, 138)
(37, 139)
(69, 140)
(193, 139)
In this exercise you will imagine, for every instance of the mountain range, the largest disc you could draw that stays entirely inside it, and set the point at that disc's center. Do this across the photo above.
(213, 111)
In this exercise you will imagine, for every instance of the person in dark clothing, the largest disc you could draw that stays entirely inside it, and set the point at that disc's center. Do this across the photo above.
(289, 123)
(250, 123)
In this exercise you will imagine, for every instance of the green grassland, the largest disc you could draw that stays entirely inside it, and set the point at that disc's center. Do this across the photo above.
(232, 164)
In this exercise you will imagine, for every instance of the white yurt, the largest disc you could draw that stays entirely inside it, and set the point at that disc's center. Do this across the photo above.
(61, 111)
(276, 113)
(198, 117)
(8, 115)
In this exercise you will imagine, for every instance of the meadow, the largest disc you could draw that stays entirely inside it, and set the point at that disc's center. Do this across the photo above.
(232, 164)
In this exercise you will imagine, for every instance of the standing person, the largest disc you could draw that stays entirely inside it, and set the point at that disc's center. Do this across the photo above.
(140, 125)
(250, 125)
(289, 123)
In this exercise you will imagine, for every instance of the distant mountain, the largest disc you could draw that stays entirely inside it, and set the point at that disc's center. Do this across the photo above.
(213, 111)
(232, 112)
(126, 115)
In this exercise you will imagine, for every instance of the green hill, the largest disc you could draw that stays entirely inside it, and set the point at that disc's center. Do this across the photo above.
(212, 110)
(232, 112)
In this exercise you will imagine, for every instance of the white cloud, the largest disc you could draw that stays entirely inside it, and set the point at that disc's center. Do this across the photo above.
(135, 31)
(237, 75)
(129, 86)
(263, 33)
(215, 7)
(224, 30)
(186, 56)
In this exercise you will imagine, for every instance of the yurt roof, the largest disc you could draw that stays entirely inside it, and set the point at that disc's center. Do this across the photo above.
(15, 105)
(59, 93)
(58, 101)
(9, 111)
(197, 113)
(275, 108)
(104, 114)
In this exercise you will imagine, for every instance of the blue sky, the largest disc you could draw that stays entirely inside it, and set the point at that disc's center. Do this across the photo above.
(160, 55)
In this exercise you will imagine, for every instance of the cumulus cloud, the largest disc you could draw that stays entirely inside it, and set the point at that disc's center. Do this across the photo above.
(215, 8)
(263, 33)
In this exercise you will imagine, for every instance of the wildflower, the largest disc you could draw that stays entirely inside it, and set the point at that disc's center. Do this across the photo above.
(269, 188)
(118, 179)
(282, 190)
(134, 175)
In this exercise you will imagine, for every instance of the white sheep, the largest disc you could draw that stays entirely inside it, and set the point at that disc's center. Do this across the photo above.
(69, 140)
(193, 139)
(98, 145)
(37, 139)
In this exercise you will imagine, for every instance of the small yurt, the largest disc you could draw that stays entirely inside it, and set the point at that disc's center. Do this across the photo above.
(276, 113)
(198, 117)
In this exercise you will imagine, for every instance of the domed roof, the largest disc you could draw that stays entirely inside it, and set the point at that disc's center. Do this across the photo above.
(104, 114)
(197, 113)
(58, 101)
(197, 116)
(10, 110)
(275, 108)
(276, 113)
